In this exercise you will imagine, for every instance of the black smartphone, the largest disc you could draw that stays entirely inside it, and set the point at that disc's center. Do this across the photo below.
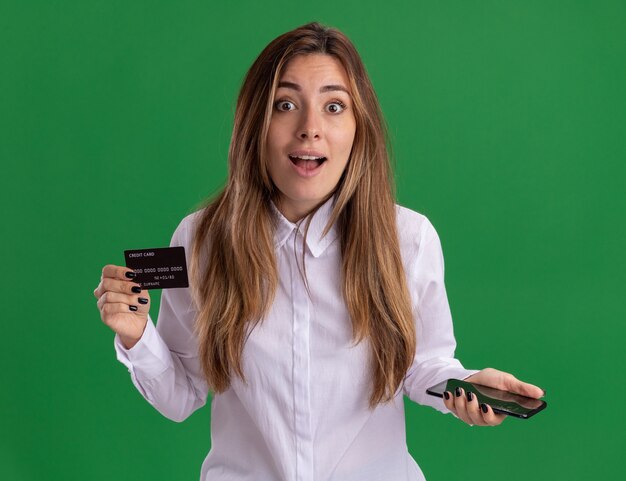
(502, 402)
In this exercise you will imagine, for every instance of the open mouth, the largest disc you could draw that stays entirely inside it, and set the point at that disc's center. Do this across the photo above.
(307, 162)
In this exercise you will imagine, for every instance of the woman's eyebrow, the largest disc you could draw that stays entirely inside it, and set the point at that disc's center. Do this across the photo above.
(325, 88)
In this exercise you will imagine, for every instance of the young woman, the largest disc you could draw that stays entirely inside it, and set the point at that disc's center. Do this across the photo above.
(316, 302)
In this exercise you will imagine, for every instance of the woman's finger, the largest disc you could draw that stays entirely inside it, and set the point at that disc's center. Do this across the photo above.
(473, 410)
(460, 405)
(141, 303)
(110, 308)
(120, 273)
(114, 285)
(506, 382)
(115, 278)
(525, 389)
(491, 418)
(448, 400)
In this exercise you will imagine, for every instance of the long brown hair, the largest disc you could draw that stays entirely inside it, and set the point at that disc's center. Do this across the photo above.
(233, 265)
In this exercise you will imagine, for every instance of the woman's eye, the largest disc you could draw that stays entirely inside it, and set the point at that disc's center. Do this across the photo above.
(336, 107)
(280, 105)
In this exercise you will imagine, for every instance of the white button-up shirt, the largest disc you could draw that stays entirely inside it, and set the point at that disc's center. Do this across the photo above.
(304, 414)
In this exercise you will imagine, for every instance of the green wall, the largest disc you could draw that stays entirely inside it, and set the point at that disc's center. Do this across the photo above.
(509, 133)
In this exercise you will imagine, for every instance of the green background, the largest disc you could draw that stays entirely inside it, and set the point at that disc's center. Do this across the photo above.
(508, 123)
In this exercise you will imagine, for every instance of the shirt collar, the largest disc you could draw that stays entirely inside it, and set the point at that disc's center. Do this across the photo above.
(314, 240)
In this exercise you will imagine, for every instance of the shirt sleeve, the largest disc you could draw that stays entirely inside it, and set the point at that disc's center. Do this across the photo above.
(434, 358)
(164, 364)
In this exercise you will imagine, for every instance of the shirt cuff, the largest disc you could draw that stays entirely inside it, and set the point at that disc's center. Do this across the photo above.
(469, 372)
(147, 359)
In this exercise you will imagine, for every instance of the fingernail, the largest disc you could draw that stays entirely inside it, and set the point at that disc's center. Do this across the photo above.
(470, 396)
(142, 300)
(132, 308)
(457, 392)
(130, 274)
(544, 391)
(484, 408)
(447, 395)
(136, 289)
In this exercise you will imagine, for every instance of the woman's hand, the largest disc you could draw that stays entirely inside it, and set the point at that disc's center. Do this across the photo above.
(122, 303)
(465, 405)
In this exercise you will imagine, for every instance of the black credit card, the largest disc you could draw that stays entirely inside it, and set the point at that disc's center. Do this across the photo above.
(159, 268)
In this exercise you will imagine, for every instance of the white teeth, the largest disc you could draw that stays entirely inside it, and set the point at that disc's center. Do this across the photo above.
(306, 157)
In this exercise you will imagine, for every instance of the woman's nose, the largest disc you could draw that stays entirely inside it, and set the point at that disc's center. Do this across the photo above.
(310, 127)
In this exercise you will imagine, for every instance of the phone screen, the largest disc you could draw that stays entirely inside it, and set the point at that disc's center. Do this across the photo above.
(502, 402)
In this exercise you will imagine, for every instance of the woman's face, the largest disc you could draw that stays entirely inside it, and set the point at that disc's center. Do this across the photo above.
(312, 117)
